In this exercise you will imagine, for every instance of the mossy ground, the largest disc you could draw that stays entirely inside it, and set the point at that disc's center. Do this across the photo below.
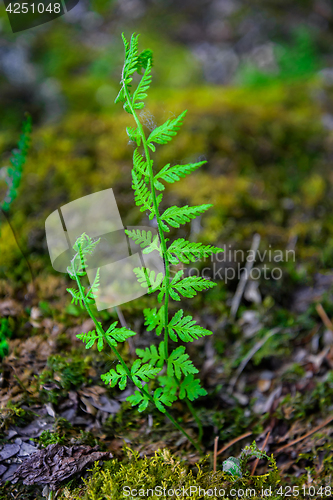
(268, 172)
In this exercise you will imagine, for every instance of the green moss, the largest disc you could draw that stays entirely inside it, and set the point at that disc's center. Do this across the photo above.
(116, 479)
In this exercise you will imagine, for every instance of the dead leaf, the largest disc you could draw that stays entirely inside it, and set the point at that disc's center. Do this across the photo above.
(54, 464)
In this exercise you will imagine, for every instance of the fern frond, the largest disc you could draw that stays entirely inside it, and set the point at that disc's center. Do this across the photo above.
(185, 251)
(152, 355)
(131, 58)
(114, 335)
(134, 135)
(147, 278)
(188, 287)
(175, 216)
(190, 388)
(164, 133)
(186, 328)
(140, 164)
(154, 319)
(163, 397)
(88, 338)
(114, 377)
(140, 399)
(142, 196)
(145, 372)
(140, 93)
(176, 172)
(92, 292)
(145, 239)
(179, 362)
(17, 160)
(76, 297)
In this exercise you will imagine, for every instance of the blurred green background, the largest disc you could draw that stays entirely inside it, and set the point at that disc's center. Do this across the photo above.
(257, 80)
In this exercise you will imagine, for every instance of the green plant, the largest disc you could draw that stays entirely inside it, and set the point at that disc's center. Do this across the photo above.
(5, 334)
(177, 381)
(12, 175)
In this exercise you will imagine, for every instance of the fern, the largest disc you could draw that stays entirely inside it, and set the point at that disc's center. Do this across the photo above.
(174, 173)
(154, 319)
(145, 239)
(186, 328)
(175, 216)
(13, 174)
(190, 387)
(164, 133)
(188, 287)
(184, 251)
(179, 362)
(151, 354)
(147, 278)
(159, 374)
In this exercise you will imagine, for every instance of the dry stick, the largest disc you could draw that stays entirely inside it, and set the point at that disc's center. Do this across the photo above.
(325, 319)
(233, 441)
(262, 449)
(216, 440)
(247, 358)
(327, 421)
(244, 278)
(124, 325)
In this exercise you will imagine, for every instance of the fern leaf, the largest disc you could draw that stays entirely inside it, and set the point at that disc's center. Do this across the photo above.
(179, 362)
(76, 297)
(147, 278)
(164, 133)
(131, 58)
(92, 293)
(175, 216)
(154, 319)
(145, 239)
(188, 287)
(186, 328)
(162, 397)
(140, 164)
(140, 93)
(142, 195)
(17, 160)
(190, 388)
(114, 377)
(152, 355)
(140, 399)
(145, 372)
(88, 338)
(185, 251)
(114, 335)
(133, 135)
(176, 172)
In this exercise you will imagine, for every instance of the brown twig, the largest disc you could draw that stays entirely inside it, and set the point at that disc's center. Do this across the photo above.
(233, 441)
(244, 278)
(216, 440)
(262, 449)
(325, 319)
(249, 355)
(327, 421)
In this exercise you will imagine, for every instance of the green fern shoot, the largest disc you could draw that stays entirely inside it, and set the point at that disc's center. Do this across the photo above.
(160, 376)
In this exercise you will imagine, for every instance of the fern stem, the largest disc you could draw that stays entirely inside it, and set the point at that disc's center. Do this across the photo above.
(157, 215)
(120, 359)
